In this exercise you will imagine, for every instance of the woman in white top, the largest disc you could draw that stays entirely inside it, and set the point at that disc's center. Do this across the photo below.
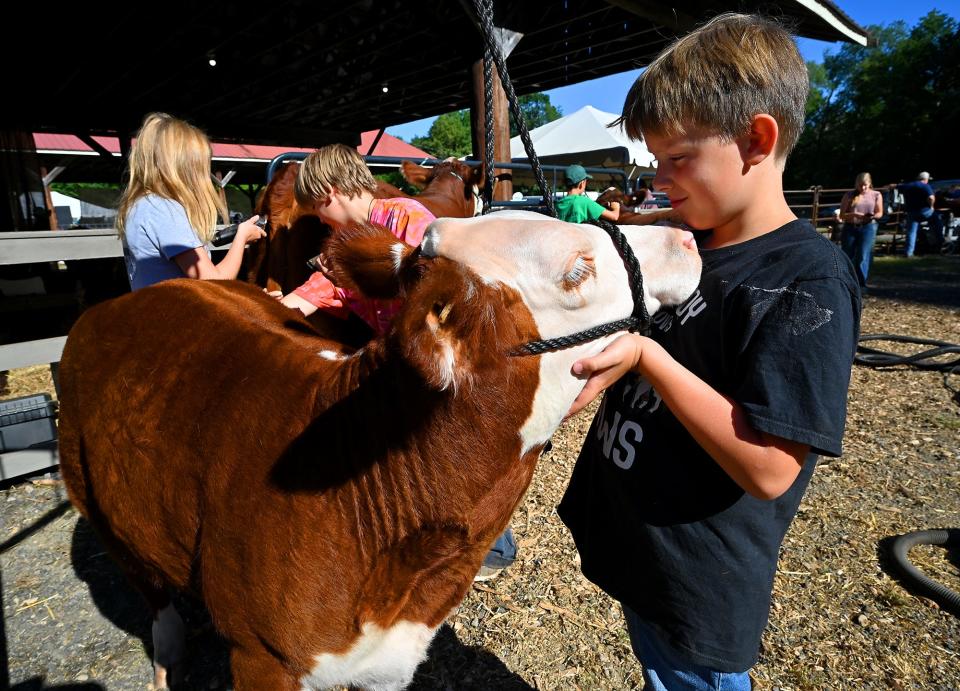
(169, 210)
(859, 212)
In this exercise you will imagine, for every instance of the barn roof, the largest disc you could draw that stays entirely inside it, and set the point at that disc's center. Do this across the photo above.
(294, 72)
(69, 144)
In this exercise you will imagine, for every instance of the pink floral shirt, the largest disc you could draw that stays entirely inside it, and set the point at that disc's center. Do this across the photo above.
(407, 219)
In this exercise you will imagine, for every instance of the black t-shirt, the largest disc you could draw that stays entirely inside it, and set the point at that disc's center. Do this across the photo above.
(658, 523)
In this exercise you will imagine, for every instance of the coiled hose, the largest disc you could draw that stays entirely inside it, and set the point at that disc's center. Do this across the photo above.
(923, 584)
(926, 359)
(930, 359)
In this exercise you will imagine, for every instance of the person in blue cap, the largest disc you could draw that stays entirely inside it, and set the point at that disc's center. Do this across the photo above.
(577, 207)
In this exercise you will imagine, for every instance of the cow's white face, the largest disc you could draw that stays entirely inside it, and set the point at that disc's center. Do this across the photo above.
(571, 278)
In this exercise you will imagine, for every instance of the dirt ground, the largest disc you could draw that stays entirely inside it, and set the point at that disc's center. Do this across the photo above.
(839, 620)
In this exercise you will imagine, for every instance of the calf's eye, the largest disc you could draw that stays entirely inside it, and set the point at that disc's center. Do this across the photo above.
(579, 270)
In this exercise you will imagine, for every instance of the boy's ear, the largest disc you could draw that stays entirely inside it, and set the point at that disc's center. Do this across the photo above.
(762, 139)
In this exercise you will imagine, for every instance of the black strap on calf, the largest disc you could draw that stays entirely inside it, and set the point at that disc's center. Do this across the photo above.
(637, 321)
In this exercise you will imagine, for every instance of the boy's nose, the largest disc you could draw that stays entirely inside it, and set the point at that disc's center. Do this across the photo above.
(661, 180)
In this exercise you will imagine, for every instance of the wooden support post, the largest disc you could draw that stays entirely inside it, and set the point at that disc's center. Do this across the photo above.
(48, 200)
(218, 176)
(503, 189)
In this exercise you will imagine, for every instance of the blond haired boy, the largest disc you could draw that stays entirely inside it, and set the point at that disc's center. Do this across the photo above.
(702, 448)
(335, 183)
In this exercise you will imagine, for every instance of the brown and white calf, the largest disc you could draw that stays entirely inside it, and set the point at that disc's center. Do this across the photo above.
(332, 507)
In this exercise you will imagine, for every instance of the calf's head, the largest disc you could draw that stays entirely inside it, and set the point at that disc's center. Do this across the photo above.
(478, 288)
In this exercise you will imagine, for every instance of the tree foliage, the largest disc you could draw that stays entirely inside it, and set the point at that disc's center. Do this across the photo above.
(891, 109)
(449, 135)
(537, 110)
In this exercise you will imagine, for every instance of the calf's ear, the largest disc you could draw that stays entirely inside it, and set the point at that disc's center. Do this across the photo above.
(445, 329)
(368, 258)
(414, 174)
(476, 175)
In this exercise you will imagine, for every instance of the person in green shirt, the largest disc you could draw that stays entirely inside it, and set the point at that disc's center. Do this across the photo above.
(577, 207)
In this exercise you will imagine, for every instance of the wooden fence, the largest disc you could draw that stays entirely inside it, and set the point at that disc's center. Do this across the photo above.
(820, 205)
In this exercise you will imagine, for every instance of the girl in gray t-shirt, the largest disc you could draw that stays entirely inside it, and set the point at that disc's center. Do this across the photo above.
(169, 209)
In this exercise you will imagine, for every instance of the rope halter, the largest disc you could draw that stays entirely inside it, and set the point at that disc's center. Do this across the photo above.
(637, 321)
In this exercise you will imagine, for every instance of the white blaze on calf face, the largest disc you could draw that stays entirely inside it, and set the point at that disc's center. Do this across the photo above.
(571, 278)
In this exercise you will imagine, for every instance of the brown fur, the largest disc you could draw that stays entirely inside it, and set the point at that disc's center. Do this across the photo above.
(213, 450)
(635, 218)
(294, 235)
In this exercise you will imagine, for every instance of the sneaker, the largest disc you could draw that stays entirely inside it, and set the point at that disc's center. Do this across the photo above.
(487, 573)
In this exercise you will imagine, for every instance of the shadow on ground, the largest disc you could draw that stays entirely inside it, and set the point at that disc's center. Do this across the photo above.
(36, 684)
(208, 663)
(931, 280)
(449, 665)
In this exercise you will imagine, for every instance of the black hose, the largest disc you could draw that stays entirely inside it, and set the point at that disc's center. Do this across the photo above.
(939, 593)
(873, 357)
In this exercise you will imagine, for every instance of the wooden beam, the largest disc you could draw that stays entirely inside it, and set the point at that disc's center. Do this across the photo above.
(503, 190)
(87, 139)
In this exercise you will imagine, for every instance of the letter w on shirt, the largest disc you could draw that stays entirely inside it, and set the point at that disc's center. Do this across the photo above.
(619, 431)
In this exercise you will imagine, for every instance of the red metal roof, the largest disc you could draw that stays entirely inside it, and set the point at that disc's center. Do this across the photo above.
(70, 144)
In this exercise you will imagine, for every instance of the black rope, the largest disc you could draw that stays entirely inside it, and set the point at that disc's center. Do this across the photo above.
(488, 153)
(484, 9)
(639, 320)
(633, 269)
(930, 359)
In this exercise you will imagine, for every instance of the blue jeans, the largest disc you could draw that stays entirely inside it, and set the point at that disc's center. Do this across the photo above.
(663, 671)
(504, 551)
(857, 243)
(914, 219)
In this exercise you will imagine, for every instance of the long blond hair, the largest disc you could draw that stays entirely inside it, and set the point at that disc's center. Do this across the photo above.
(171, 159)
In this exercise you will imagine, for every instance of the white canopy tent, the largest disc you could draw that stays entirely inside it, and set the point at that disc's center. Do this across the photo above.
(583, 137)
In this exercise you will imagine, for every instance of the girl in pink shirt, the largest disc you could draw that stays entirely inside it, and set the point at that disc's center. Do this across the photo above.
(407, 219)
(336, 184)
(859, 212)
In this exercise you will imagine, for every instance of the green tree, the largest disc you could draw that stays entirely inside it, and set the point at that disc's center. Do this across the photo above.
(537, 110)
(449, 135)
(890, 108)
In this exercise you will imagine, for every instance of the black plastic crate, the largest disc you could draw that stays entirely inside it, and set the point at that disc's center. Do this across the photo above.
(28, 422)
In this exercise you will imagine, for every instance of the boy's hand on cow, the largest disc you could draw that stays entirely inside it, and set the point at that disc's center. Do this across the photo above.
(605, 368)
(249, 231)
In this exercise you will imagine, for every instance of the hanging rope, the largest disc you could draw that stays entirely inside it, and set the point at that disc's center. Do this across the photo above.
(484, 9)
(488, 153)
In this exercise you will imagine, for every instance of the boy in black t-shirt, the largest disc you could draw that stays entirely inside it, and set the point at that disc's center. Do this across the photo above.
(702, 448)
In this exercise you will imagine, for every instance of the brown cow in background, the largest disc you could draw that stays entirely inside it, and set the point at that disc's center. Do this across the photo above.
(331, 507)
(630, 213)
